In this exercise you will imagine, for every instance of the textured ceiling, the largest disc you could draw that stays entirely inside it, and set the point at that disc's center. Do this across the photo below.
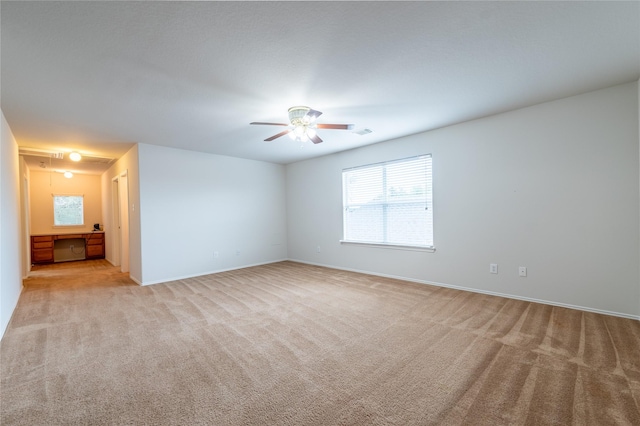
(98, 76)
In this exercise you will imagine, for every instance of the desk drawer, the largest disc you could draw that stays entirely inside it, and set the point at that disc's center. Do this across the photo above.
(95, 251)
(69, 236)
(42, 245)
(42, 238)
(42, 256)
(94, 240)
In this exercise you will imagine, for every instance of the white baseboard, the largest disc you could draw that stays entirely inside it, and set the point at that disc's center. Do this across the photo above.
(475, 290)
(217, 271)
(3, 327)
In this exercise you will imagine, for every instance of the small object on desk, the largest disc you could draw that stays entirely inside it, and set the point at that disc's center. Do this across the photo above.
(96, 226)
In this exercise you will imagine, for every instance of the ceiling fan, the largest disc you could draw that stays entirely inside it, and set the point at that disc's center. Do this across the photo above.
(303, 125)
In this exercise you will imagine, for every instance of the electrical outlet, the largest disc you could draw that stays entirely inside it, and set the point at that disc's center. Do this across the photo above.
(493, 268)
(318, 249)
(238, 252)
(216, 255)
(522, 271)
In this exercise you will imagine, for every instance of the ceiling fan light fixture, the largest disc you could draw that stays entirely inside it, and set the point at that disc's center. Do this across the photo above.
(75, 156)
(299, 134)
(311, 132)
(303, 133)
(300, 131)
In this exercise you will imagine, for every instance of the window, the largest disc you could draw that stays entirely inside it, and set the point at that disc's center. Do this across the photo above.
(389, 203)
(68, 210)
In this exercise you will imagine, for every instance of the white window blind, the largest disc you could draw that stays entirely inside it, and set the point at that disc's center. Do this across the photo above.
(389, 203)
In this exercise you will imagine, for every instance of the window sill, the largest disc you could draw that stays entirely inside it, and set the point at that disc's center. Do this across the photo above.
(390, 246)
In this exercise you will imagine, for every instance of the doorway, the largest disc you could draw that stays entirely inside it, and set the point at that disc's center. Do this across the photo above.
(120, 215)
(26, 227)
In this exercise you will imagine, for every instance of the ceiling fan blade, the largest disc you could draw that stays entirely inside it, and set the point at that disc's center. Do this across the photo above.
(313, 114)
(277, 136)
(268, 124)
(335, 126)
(315, 139)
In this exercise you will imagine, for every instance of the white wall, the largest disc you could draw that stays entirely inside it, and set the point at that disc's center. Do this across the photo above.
(42, 184)
(11, 243)
(127, 163)
(553, 187)
(192, 204)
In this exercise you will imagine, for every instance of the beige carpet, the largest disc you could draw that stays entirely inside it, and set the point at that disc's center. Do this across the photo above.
(292, 344)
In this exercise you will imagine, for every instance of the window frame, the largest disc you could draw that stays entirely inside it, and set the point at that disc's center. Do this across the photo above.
(428, 199)
(55, 216)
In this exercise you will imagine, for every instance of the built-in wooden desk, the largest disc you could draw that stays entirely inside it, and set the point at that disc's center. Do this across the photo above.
(42, 245)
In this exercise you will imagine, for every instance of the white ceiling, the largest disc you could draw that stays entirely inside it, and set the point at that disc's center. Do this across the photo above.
(99, 76)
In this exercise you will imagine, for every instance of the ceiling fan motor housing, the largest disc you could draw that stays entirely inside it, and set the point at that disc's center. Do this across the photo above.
(298, 116)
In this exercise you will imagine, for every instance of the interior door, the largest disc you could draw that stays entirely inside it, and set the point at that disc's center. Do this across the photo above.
(123, 193)
(115, 214)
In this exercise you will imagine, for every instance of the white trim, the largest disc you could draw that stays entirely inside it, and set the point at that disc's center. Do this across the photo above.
(184, 277)
(389, 246)
(384, 163)
(473, 290)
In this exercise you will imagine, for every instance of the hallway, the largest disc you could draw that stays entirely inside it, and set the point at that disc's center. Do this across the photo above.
(83, 273)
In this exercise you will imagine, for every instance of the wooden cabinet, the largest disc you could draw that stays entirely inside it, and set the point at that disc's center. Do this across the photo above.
(42, 246)
(42, 249)
(94, 246)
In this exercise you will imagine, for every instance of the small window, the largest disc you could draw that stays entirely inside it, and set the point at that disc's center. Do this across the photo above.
(68, 210)
(389, 203)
